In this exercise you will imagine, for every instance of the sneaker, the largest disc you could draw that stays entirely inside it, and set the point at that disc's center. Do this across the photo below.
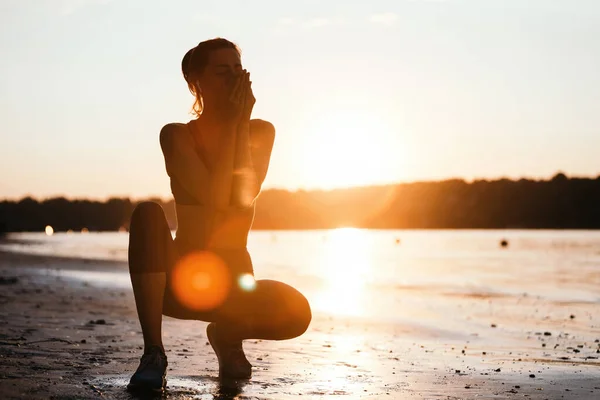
(232, 360)
(151, 374)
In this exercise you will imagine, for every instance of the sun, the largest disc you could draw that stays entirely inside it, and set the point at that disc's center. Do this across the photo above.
(350, 149)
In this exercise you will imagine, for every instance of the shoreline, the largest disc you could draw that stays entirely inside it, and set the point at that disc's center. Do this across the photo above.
(33, 260)
(65, 339)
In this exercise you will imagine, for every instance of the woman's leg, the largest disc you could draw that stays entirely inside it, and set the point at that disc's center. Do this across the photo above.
(151, 253)
(272, 311)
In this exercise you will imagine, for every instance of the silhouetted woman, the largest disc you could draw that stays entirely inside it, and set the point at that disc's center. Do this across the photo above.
(216, 164)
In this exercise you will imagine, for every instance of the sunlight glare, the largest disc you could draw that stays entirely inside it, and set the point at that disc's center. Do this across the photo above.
(200, 280)
(247, 282)
(352, 148)
(347, 266)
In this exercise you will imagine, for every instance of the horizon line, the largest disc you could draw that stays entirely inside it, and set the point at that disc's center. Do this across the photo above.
(309, 189)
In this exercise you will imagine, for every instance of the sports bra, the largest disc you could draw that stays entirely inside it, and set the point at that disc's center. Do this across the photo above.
(180, 194)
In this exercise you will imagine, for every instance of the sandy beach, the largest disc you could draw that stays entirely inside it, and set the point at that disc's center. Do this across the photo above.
(67, 338)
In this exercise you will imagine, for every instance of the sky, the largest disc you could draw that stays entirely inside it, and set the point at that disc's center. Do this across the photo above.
(360, 93)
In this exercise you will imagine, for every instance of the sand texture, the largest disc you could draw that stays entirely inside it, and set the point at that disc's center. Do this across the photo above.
(63, 338)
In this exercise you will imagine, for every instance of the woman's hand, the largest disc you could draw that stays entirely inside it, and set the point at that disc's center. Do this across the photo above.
(249, 99)
(241, 99)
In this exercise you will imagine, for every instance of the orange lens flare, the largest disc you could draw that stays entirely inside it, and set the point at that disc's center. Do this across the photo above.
(201, 281)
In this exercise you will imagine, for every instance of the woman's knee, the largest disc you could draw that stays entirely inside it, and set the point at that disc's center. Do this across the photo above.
(145, 213)
(302, 314)
(150, 242)
(294, 308)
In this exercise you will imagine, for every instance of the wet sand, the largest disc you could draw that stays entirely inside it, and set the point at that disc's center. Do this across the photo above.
(66, 338)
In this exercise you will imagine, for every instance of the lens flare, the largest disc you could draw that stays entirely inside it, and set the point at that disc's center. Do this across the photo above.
(247, 282)
(201, 281)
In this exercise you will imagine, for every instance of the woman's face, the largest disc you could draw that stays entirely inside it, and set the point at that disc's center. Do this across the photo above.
(218, 78)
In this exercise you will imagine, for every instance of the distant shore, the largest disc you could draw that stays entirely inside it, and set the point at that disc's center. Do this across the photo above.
(558, 203)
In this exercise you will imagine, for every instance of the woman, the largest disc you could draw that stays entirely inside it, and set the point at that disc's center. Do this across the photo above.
(216, 164)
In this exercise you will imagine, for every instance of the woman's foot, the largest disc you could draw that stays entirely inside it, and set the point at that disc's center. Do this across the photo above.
(151, 373)
(232, 360)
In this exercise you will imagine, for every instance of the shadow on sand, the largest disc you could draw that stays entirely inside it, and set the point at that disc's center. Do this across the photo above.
(177, 388)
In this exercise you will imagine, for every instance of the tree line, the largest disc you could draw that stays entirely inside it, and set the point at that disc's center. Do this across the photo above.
(557, 203)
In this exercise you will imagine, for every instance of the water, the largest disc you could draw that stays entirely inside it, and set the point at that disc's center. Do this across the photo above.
(387, 275)
(393, 311)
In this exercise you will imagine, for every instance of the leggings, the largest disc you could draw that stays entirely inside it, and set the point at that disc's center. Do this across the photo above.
(273, 309)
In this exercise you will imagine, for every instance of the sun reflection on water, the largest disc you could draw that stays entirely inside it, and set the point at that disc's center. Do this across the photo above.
(346, 265)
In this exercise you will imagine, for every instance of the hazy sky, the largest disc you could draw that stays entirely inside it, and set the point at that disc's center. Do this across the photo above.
(359, 91)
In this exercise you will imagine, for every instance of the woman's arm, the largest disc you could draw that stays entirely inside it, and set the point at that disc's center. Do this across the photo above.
(223, 177)
(262, 138)
(245, 180)
(254, 146)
